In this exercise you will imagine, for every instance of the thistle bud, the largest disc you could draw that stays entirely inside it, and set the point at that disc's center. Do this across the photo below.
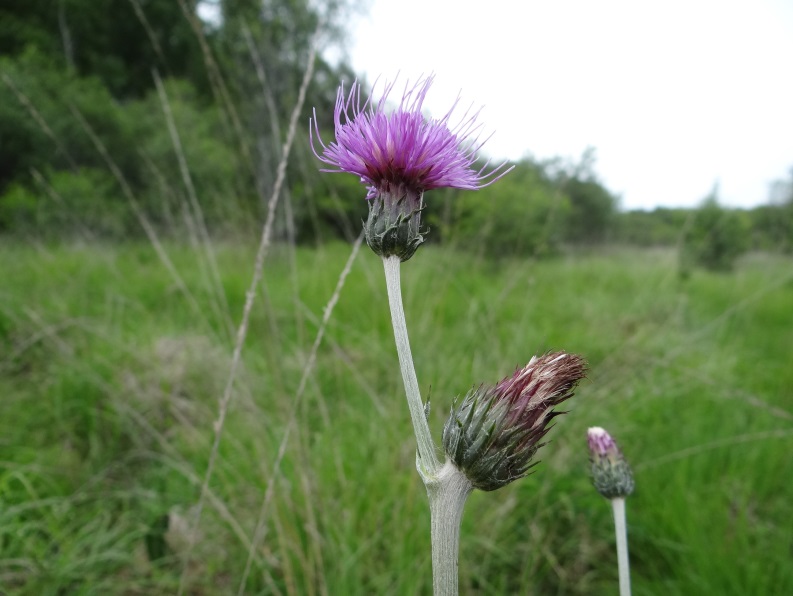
(494, 432)
(393, 227)
(611, 474)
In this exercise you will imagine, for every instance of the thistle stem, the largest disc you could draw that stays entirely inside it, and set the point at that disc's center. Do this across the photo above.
(447, 491)
(427, 462)
(447, 486)
(618, 506)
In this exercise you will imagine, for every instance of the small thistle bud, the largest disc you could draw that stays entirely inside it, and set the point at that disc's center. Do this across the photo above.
(611, 474)
(494, 432)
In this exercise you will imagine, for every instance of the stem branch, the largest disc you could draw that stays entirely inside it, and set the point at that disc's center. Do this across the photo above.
(447, 486)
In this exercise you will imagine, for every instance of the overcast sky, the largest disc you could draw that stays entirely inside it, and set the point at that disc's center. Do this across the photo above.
(674, 95)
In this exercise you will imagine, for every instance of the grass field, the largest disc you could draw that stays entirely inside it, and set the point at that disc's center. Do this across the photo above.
(111, 369)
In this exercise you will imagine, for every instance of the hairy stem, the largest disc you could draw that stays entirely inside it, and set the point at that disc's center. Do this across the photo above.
(447, 487)
(447, 491)
(618, 506)
(427, 463)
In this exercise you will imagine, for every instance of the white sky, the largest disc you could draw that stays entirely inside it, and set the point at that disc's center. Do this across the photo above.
(674, 95)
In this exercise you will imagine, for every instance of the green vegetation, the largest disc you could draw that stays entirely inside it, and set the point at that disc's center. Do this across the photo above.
(113, 355)
(111, 374)
(88, 150)
(534, 211)
(81, 110)
(713, 238)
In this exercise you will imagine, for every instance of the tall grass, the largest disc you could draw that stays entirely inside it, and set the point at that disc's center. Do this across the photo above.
(110, 384)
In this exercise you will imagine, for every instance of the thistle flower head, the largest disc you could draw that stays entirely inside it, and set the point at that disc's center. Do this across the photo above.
(493, 434)
(401, 150)
(611, 474)
(399, 155)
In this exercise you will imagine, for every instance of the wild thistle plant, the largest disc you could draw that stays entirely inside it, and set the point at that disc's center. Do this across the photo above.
(613, 479)
(492, 436)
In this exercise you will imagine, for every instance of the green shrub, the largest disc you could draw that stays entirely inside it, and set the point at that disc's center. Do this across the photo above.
(714, 239)
(523, 214)
(84, 202)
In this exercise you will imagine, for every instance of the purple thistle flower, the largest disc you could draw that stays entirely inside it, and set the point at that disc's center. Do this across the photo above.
(399, 155)
(402, 150)
(494, 433)
(611, 474)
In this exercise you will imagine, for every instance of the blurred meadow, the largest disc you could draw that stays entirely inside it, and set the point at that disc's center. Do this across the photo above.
(199, 389)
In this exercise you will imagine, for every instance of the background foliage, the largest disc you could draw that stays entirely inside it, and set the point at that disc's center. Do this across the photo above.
(86, 69)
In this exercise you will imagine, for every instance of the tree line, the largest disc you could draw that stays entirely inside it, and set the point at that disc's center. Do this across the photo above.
(89, 90)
